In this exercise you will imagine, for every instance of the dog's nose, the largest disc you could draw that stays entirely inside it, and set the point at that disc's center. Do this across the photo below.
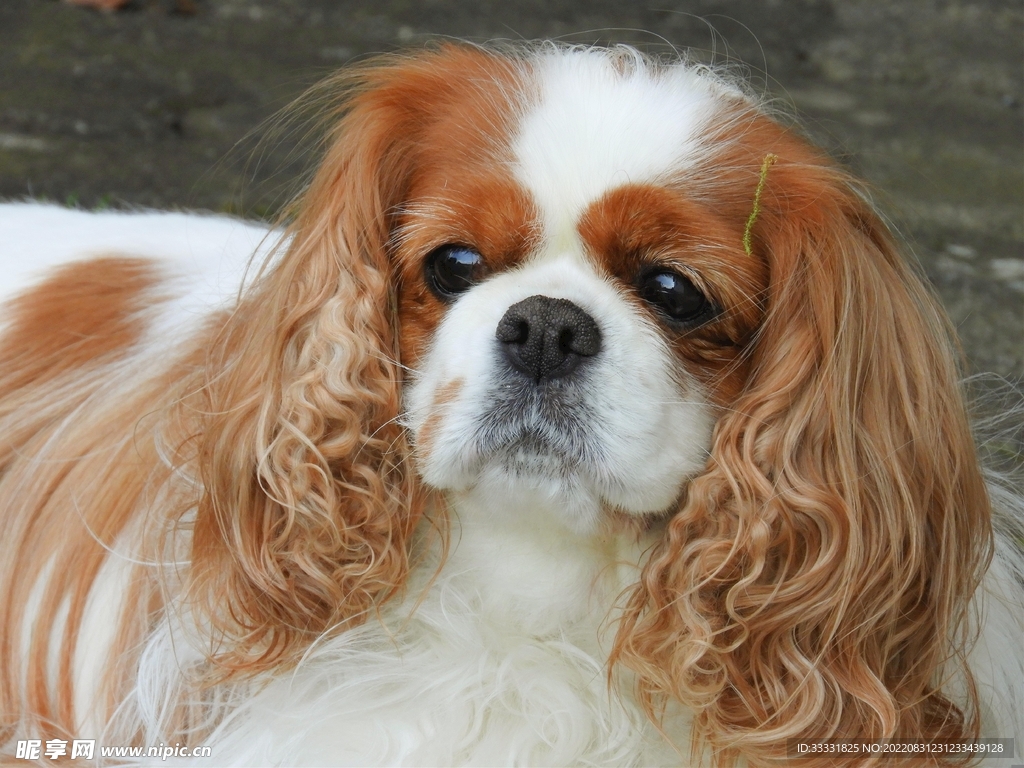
(545, 338)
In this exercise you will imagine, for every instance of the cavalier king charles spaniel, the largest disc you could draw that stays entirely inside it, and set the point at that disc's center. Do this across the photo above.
(578, 412)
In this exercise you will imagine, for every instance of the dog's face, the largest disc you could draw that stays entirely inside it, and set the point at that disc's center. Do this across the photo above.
(573, 314)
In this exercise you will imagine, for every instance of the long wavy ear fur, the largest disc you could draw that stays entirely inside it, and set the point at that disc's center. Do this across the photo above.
(308, 501)
(817, 579)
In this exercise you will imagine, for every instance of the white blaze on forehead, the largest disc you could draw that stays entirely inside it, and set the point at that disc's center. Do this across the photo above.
(603, 119)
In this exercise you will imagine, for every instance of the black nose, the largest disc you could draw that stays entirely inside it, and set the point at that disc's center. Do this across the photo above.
(546, 338)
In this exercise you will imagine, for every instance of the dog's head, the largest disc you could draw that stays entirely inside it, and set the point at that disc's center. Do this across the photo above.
(620, 285)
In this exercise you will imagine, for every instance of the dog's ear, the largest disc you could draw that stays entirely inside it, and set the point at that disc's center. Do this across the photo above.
(308, 497)
(816, 581)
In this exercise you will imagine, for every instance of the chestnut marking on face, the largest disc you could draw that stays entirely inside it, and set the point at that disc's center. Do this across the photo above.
(442, 397)
(457, 229)
(685, 267)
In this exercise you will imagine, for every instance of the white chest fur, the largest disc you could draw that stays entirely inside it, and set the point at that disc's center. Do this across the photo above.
(499, 658)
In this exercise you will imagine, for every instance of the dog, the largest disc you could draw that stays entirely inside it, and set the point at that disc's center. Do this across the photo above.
(579, 412)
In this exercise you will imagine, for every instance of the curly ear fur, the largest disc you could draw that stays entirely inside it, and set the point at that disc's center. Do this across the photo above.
(816, 581)
(305, 396)
(304, 407)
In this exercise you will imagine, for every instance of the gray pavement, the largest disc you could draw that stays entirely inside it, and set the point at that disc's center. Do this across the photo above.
(155, 106)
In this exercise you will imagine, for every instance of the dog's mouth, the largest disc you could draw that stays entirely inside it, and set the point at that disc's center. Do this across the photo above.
(534, 454)
(542, 431)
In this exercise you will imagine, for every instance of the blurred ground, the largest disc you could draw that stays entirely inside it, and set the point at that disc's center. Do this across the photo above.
(153, 105)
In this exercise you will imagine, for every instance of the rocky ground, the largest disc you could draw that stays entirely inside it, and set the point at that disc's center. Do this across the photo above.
(160, 104)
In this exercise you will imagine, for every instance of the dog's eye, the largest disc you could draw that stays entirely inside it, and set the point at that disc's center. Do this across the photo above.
(676, 296)
(453, 269)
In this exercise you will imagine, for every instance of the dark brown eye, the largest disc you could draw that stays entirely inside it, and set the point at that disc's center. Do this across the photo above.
(675, 296)
(453, 269)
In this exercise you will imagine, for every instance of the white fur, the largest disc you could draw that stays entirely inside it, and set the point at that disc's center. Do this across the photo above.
(603, 120)
(997, 659)
(450, 677)
(204, 257)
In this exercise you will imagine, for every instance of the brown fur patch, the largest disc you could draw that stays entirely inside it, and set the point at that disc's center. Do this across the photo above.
(84, 312)
(74, 468)
(444, 395)
(635, 227)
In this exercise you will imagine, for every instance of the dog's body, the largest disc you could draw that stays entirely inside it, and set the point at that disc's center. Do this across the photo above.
(641, 467)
